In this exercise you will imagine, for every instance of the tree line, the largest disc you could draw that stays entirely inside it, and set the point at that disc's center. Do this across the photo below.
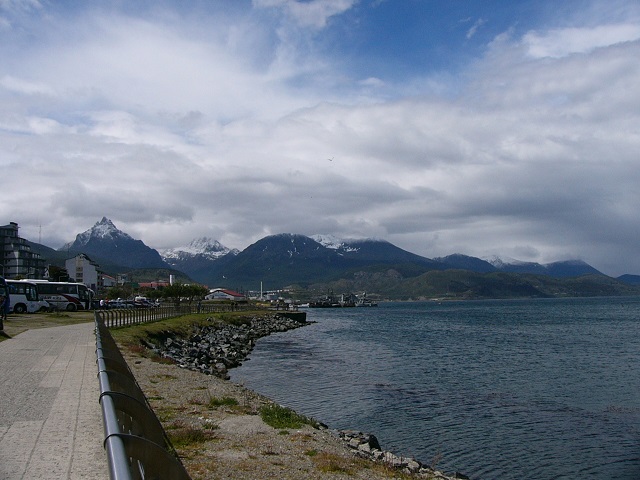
(176, 293)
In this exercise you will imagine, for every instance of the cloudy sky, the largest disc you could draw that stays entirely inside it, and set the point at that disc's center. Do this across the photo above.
(484, 127)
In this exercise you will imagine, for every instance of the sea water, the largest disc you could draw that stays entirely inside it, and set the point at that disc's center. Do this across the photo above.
(518, 389)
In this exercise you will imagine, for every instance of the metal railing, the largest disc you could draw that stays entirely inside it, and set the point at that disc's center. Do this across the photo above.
(133, 316)
(136, 444)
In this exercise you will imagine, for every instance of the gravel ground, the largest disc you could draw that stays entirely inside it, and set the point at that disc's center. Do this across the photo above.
(231, 441)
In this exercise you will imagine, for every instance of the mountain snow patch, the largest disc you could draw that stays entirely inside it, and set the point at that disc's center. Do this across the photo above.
(334, 243)
(203, 246)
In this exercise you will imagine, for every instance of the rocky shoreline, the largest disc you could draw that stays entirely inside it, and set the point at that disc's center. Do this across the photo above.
(214, 349)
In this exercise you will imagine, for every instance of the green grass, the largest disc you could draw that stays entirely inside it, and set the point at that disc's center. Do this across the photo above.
(282, 417)
(215, 402)
(16, 324)
(188, 436)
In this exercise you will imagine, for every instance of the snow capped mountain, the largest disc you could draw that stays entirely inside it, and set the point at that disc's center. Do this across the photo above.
(205, 247)
(501, 262)
(106, 229)
(106, 242)
(102, 230)
(198, 257)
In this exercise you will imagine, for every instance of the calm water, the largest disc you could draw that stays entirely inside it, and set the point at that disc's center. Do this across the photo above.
(523, 389)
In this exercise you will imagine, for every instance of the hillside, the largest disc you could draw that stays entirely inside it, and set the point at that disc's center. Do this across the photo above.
(463, 284)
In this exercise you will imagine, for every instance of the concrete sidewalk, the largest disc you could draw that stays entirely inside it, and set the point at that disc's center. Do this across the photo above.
(50, 417)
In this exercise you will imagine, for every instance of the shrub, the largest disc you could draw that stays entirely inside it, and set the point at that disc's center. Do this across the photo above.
(223, 401)
(184, 437)
(283, 417)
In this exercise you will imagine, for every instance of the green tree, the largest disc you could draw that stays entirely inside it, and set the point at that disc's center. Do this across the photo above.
(154, 294)
(58, 274)
(119, 291)
(179, 292)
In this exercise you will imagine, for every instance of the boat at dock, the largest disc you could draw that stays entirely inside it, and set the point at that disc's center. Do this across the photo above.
(363, 301)
(332, 301)
(345, 300)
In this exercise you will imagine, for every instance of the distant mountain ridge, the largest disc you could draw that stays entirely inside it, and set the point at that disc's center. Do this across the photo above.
(284, 259)
(293, 259)
(630, 279)
(562, 269)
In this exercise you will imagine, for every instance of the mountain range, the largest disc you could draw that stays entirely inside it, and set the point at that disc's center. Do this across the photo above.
(324, 262)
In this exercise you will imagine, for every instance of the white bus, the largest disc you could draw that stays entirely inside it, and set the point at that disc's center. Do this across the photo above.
(24, 297)
(64, 296)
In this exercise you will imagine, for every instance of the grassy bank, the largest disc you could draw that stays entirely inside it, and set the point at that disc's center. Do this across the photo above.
(179, 326)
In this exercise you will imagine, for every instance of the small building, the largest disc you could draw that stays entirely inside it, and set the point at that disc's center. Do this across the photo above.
(225, 294)
(84, 270)
(108, 281)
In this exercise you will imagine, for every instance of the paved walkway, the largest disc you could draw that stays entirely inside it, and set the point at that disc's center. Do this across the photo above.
(50, 417)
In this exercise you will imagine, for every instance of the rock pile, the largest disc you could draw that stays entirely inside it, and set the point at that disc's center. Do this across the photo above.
(214, 349)
(366, 445)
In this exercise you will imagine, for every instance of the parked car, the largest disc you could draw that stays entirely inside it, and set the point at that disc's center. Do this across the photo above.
(111, 304)
(145, 304)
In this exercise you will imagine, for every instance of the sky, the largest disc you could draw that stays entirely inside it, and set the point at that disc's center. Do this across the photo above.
(482, 127)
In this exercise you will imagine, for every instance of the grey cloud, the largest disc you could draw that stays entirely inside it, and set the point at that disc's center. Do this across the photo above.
(533, 157)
